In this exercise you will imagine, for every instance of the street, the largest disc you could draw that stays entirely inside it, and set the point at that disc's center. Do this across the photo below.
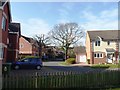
(54, 67)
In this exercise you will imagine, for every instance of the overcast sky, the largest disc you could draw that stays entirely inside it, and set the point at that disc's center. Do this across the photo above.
(40, 17)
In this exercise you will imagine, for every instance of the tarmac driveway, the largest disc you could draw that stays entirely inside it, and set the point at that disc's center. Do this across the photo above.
(54, 67)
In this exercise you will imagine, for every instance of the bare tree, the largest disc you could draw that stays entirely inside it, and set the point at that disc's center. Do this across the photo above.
(66, 35)
(42, 41)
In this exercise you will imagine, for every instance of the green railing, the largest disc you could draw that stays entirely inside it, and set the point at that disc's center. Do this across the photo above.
(63, 80)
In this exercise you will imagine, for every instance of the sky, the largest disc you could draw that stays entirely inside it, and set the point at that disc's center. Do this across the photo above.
(40, 17)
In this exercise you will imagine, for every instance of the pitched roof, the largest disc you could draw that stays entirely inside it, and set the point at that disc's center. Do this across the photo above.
(104, 34)
(110, 50)
(27, 38)
(30, 40)
(80, 49)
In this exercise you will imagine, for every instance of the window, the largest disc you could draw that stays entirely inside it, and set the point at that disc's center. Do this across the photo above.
(108, 42)
(95, 55)
(3, 23)
(21, 45)
(1, 53)
(98, 55)
(97, 43)
(113, 55)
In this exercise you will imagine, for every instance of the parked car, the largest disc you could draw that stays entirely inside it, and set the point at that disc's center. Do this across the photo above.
(28, 63)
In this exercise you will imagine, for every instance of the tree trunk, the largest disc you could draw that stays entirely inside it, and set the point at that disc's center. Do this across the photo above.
(66, 54)
(40, 52)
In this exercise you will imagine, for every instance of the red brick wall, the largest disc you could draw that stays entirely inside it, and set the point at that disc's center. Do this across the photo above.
(13, 41)
(34, 50)
(0, 26)
(5, 33)
(27, 47)
(13, 47)
(11, 56)
(99, 60)
(91, 54)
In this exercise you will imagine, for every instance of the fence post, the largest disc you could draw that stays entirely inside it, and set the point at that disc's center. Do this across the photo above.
(36, 84)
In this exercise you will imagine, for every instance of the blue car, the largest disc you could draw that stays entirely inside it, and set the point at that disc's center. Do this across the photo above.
(28, 63)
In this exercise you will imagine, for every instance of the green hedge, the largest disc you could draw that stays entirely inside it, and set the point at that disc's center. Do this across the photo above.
(31, 57)
(100, 66)
(70, 60)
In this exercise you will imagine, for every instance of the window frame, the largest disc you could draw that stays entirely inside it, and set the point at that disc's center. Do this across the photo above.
(98, 55)
(21, 45)
(97, 43)
(1, 53)
(108, 43)
(3, 25)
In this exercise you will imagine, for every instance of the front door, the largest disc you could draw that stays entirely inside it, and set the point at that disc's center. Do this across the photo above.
(110, 58)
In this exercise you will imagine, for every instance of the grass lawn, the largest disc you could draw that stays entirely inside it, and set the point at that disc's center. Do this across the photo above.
(105, 66)
(64, 63)
(114, 89)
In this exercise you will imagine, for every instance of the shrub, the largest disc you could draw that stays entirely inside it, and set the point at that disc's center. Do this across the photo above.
(70, 60)
(31, 57)
(88, 61)
(100, 66)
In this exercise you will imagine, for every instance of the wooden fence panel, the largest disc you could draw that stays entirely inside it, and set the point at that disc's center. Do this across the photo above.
(63, 80)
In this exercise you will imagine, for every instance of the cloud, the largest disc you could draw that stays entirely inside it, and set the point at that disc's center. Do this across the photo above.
(33, 26)
(64, 12)
(107, 19)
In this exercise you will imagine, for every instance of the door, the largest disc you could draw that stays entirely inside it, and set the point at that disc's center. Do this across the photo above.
(82, 58)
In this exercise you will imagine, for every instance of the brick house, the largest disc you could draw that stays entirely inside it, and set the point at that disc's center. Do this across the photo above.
(5, 19)
(28, 46)
(103, 46)
(13, 46)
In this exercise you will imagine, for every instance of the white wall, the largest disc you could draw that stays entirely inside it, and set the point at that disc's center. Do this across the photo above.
(103, 46)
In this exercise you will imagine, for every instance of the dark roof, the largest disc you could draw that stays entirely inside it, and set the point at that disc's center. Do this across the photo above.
(27, 38)
(110, 50)
(104, 34)
(30, 40)
(80, 49)
(14, 27)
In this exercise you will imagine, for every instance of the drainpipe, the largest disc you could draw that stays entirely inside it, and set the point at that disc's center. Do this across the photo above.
(117, 52)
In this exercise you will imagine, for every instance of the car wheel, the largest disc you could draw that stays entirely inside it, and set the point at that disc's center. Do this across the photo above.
(38, 67)
(17, 67)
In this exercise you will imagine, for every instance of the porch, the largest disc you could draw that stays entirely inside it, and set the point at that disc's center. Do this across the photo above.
(112, 56)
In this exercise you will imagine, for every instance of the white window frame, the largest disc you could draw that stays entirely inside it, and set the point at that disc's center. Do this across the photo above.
(3, 23)
(98, 54)
(21, 45)
(97, 43)
(1, 53)
(108, 43)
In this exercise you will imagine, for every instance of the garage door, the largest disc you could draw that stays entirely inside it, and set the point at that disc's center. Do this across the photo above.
(83, 58)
